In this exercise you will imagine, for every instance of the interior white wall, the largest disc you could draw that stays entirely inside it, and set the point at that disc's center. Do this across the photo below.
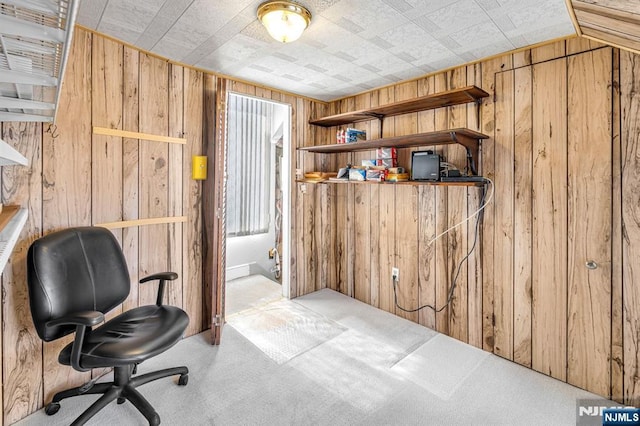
(251, 253)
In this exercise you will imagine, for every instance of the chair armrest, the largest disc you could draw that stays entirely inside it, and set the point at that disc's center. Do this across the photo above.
(84, 318)
(170, 276)
(162, 276)
(81, 320)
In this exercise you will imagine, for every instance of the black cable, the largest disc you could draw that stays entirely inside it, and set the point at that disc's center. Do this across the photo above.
(455, 279)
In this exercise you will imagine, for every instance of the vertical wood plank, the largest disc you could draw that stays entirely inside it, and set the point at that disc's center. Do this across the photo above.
(504, 182)
(106, 151)
(589, 224)
(443, 277)
(387, 210)
(617, 261)
(522, 239)
(176, 162)
(341, 240)
(197, 299)
(309, 240)
(406, 239)
(66, 197)
(474, 235)
(427, 254)
(427, 281)
(130, 170)
(21, 392)
(630, 138)
(487, 168)
(549, 251)
(374, 232)
(154, 171)
(362, 246)
(456, 213)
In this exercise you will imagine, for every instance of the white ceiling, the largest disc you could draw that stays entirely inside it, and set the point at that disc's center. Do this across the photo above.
(351, 45)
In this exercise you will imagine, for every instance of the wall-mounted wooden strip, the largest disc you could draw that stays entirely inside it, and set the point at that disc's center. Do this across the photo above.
(197, 290)
(406, 242)
(130, 167)
(589, 225)
(617, 325)
(504, 182)
(176, 164)
(142, 222)
(362, 243)
(549, 283)
(474, 262)
(522, 237)
(137, 135)
(630, 108)
(388, 210)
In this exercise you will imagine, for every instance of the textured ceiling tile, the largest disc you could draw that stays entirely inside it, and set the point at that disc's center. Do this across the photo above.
(485, 34)
(390, 64)
(324, 32)
(503, 22)
(134, 16)
(121, 33)
(549, 33)
(488, 4)
(399, 5)
(420, 7)
(374, 16)
(430, 52)
(408, 36)
(169, 49)
(349, 25)
(458, 15)
(170, 12)
(90, 13)
(319, 6)
(539, 14)
(224, 34)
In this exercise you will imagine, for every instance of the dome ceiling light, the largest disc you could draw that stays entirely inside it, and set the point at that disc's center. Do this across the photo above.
(285, 21)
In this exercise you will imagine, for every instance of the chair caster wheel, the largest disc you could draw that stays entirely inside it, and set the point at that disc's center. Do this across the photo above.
(121, 400)
(183, 380)
(52, 408)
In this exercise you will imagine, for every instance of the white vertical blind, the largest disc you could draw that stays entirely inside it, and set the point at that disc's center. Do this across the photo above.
(249, 145)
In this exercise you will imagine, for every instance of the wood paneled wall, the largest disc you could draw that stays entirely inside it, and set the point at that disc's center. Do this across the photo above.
(563, 155)
(78, 178)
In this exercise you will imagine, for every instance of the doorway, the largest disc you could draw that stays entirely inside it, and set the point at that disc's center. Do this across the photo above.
(257, 204)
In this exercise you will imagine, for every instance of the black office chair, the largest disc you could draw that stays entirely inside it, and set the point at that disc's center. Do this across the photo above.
(75, 277)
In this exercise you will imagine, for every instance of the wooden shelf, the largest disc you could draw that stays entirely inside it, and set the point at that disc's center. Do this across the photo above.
(466, 137)
(409, 182)
(9, 235)
(436, 100)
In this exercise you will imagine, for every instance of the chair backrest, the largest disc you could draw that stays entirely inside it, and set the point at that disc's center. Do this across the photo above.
(77, 269)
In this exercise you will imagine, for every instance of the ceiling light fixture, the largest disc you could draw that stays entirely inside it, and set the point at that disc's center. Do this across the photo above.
(285, 21)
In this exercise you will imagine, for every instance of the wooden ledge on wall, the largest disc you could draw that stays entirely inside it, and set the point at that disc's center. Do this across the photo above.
(137, 135)
(142, 222)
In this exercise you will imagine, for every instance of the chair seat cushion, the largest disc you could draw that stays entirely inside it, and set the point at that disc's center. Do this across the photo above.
(131, 337)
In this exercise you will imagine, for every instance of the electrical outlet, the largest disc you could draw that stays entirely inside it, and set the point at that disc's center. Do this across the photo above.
(395, 274)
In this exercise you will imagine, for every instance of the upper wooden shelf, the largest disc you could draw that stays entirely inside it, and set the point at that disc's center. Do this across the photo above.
(437, 100)
(466, 137)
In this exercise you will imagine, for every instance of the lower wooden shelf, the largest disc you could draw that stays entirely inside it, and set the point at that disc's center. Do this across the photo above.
(410, 182)
(10, 233)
